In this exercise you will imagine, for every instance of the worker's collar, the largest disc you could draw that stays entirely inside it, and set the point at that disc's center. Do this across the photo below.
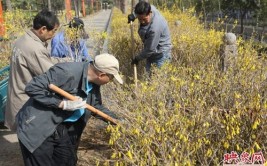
(85, 79)
(35, 37)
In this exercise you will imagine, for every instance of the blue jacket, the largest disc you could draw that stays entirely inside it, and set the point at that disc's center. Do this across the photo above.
(40, 115)
(60, 48)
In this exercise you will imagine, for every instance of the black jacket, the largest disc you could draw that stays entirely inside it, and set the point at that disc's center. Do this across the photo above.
(40, 115)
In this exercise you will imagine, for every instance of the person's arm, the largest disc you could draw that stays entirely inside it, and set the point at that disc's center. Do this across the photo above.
(38, 87)
(150, 44)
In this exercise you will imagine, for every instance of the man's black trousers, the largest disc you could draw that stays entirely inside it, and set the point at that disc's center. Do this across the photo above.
(60, 149)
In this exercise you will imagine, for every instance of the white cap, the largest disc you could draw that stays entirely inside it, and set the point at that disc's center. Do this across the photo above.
(107, 63)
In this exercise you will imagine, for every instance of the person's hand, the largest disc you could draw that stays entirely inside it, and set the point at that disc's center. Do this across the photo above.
(131, 17)
(134, 61)
(70, 105)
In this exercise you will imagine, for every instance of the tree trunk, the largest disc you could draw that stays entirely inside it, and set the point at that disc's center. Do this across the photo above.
(2, 28)
(220, 11)
(261, 34)
(68, 10)
(132, 6)
(8, 5)
(123, 6)
(204, 13)
(76, 8)
(243, 14)
(92, 6)
(83, 8)
(49, 5)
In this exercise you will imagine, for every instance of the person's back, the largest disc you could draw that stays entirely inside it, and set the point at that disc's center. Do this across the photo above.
(30, 57)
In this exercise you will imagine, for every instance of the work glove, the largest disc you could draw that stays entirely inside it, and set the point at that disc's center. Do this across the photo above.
(69, 105)
(134, 61)
(131, 17)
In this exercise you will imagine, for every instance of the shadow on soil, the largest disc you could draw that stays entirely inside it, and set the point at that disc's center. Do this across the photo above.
(9, 151)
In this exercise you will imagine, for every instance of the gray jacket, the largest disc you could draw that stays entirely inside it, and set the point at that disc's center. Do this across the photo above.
(30, 57)
(40, 115)
(155, 36)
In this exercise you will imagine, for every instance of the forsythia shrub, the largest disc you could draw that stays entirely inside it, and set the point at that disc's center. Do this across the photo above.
(189, 112)
(16, 22)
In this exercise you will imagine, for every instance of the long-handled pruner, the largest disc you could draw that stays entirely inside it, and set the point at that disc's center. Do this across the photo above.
(88, 107)
(132, 42)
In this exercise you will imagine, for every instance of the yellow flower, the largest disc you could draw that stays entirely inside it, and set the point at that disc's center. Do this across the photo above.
(255, 124)
(226, 145)
(129, 154)
(209, 153)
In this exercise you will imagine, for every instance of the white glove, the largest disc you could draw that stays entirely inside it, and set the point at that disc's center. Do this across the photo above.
(70, 105)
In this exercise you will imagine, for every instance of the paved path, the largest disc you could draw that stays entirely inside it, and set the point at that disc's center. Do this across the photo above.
(9, 152)
(9, 148)
(96, 23)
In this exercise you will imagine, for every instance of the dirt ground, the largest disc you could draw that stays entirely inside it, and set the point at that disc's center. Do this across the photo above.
(93, 147)
(9, 151)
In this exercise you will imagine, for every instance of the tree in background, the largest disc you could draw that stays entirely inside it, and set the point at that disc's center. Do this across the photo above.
(206, 7)
(242, 6)
(8, 5)
(53, 5)
(261, 17)
(58, 5)
(182, 4)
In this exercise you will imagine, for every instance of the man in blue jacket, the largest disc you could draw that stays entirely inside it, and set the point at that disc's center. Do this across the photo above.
(154, 33)
(73, 47)
(49, 127)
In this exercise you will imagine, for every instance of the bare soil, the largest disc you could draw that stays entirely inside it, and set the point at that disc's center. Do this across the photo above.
(94, 146)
